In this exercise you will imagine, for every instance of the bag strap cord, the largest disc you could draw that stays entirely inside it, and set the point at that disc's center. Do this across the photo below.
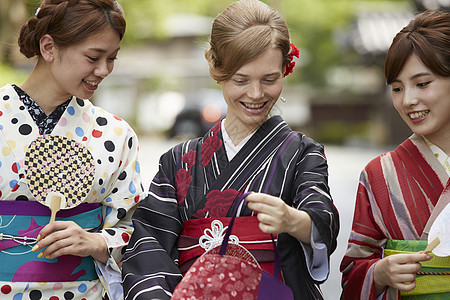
(433, 273)
(223, 247)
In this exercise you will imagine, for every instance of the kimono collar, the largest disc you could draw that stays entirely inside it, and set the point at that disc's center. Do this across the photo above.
(441, 156)
(45, 123)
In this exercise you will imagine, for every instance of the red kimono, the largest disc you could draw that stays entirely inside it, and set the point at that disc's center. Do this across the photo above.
(400, 194)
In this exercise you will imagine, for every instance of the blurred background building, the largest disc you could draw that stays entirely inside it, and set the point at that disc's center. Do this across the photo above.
(161, 83)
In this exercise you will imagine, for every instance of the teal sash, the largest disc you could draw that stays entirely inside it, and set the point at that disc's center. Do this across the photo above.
(20, 224)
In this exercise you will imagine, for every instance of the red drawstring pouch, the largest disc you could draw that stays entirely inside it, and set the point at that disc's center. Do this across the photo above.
(230, 271)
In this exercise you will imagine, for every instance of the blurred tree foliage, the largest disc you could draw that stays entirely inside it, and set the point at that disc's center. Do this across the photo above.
(312, 25)
(145, 18)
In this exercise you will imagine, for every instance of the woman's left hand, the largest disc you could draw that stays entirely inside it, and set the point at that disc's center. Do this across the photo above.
(67, 238)
(275, 216)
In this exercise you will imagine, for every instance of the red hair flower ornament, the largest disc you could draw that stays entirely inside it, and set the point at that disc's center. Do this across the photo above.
(291, 63)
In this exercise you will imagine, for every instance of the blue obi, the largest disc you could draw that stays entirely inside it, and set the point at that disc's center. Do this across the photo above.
(20, 224)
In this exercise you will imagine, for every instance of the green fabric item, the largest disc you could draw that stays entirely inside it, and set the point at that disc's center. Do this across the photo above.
(428, 287)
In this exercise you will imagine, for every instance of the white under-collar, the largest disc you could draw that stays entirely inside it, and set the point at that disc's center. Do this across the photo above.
(230, 148)
(441, 156)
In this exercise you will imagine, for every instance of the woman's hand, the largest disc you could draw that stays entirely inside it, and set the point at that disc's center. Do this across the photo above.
(398, 271)
(66, 237)
(275, 216)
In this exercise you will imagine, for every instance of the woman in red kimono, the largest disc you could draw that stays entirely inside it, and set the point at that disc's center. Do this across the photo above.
(200, 181)
(400, 193)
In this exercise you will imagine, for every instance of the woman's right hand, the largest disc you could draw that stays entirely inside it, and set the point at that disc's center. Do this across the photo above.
(398, 271)
(68, 238)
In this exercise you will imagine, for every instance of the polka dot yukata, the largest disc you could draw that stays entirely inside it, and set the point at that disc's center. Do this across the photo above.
(117, 182)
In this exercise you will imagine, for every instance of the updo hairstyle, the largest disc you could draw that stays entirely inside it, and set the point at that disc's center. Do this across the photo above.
(243, 31)
(428, 37)
(69, 22)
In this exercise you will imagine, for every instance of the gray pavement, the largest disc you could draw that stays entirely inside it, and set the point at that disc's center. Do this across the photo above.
(345, 165)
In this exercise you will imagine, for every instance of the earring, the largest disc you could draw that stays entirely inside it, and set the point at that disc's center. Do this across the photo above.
(282, 99)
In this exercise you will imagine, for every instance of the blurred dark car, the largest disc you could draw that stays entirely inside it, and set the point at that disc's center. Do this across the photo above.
(202, 110)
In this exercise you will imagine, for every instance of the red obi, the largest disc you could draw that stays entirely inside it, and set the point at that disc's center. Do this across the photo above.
(201, 235)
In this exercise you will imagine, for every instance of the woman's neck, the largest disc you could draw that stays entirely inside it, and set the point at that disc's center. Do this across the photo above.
(43, 92)
(238, 131)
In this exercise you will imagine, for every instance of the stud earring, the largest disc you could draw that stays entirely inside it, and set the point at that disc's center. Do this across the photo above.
(282, 99)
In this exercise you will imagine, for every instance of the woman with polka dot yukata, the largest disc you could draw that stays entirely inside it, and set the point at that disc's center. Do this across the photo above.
(79, 255)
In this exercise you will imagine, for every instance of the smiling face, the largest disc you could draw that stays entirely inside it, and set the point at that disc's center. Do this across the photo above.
(423, 100)
(78, 70)
(252, 91)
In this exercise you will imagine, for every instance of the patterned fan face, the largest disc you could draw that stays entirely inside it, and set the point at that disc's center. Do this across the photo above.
(59, 164)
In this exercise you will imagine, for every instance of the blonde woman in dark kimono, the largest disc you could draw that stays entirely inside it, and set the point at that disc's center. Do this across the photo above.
(200, 181)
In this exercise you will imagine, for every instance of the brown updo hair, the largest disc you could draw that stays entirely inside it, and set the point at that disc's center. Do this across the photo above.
(428, 37)
(242, 32)
(69, 22)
